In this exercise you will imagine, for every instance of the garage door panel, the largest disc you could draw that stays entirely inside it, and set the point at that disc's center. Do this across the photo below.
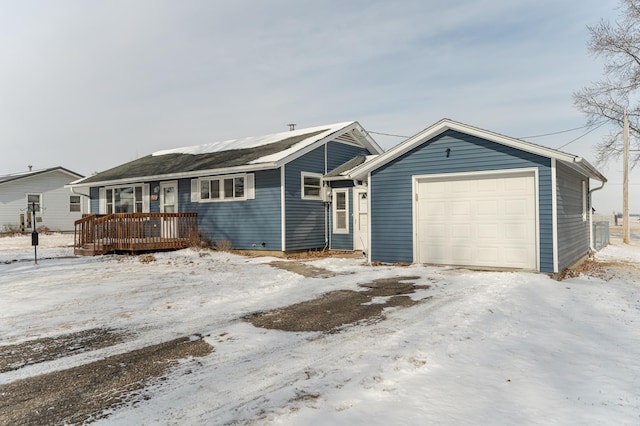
(487, 256)
(477, 221)
(460, 208)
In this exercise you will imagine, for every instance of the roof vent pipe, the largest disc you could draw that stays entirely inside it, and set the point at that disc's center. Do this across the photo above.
(292, 126)
(30, 167)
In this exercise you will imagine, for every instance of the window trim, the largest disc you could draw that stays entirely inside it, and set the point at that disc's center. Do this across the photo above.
(144, 197)
(39, 210)
(335, 212)
(77, 204)
(304, 175)
(222, 198)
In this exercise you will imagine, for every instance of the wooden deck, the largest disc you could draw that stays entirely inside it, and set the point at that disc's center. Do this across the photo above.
(134, 232)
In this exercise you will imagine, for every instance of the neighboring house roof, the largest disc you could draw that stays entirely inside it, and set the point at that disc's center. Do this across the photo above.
(23, 175)
(576, 162)
(237, 155)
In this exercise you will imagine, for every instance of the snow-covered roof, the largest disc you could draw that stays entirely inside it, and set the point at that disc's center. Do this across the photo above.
(257, 141)
(233, 156)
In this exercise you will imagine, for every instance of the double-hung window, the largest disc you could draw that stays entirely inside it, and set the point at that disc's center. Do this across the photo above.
(34, 202)
(74, 203)
(340, 211)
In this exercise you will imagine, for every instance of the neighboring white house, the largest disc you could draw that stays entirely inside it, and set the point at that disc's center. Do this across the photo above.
(55, 206)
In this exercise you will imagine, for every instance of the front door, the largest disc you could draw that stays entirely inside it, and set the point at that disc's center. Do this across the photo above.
(169, 197)
(168, 204)
(360, 220)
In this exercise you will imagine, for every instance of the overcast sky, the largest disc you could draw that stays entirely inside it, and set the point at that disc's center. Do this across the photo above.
(88, 85)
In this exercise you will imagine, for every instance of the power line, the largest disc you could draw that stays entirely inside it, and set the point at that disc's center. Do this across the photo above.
(561, 131)
(387, 134)
(583, 135)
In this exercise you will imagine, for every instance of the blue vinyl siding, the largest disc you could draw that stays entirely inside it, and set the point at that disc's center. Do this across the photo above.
(340, 153)
(305, 219)
(573, 232)
(247, 224)
(94, 193)
(392, 200)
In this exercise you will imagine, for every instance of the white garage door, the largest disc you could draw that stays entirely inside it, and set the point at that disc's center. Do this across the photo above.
(477, 220)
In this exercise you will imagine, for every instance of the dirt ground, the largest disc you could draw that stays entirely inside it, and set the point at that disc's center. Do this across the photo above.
(81, 394)
(339, 308)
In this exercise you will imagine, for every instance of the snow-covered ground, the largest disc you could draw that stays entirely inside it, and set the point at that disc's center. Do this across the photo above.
(486, 348)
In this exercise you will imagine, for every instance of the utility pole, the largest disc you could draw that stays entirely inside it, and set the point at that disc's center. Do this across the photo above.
(625, 182)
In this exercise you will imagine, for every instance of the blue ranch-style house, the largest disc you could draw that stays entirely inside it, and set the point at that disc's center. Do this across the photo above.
(454, 194)
(257, 193)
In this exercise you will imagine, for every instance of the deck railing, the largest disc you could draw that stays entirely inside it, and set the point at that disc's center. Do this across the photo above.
(98, 234)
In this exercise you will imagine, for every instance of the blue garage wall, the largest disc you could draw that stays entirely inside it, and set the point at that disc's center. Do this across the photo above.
(573, 231)
(392, 200)
(248, 223)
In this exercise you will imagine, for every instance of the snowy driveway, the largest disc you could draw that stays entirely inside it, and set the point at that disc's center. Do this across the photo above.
(485, 347)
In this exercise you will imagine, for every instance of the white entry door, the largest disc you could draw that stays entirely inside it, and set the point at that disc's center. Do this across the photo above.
(169, 197)
(360, 219)
(168, 204)
(477, 220)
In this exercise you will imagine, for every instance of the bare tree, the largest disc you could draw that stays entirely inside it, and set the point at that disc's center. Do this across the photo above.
(618, 44)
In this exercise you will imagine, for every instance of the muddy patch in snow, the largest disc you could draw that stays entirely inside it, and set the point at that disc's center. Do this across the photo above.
(81, 394)
(13, 357)
(335, 309)
(303, 269)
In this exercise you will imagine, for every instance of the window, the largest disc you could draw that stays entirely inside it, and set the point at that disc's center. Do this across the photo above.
(125, 199)
(34, 202)
(225, 188)
(340, 211)
(74, 203)
(311, 186)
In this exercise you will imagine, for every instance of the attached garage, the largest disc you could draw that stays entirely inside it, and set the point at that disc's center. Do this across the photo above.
(477, 219)
(454, 194)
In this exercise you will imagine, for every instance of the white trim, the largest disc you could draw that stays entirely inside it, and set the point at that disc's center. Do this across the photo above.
(40, 201)
(554, 214)
(357, 191)
(369, 237)
(334, 212)
(583, 196)
(446, 124)
(302, 186)
(283, 216)
(469, 175)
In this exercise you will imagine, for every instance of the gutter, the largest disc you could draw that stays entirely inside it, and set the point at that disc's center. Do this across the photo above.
(591, 246)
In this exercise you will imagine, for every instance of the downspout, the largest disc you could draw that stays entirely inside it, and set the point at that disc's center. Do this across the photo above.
(591, 245)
